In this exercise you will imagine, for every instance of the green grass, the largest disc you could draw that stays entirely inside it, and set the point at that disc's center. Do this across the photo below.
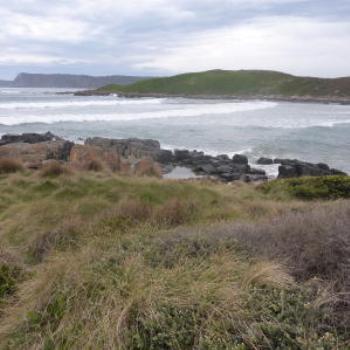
(238, 83)
(310, 188)
(138, 263)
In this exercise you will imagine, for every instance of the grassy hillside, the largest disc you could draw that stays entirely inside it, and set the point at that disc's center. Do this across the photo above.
(97, 261)
(239, 83)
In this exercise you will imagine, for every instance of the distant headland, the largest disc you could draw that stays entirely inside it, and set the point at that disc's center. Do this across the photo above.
(241, 84)
(67, 81)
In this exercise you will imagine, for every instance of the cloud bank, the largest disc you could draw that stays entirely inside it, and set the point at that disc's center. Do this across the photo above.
(167, 37)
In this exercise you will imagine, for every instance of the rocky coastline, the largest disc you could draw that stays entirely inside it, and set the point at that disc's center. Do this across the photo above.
(145, 156)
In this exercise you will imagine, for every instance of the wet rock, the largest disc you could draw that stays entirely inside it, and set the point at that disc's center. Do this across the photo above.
(264, 161)
(253, 177)
(295, 168)
(181, 155)
(255, 171)
(28, 138)
(240, 159)
(228, 177)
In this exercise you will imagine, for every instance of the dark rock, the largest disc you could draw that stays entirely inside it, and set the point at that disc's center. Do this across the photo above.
(264, 161)
(206, 169)
(240, 159)
(164, 157)
(295, 168)
(241, 168)
(255, 171)
(181, 155)
(323, 166)
(338, 172)
(253, 177)
(286, 171)
(28, 138)
(224, 169)
(230, 177)
(223, 157)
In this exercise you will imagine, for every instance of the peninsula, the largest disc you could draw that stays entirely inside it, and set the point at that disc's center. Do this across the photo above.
(242, 84)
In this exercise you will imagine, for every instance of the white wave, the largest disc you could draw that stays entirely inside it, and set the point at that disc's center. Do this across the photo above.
(188, 111)
(80, 103)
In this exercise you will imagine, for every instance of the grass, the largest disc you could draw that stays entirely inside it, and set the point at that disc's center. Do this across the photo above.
(238, 83)
(8, 166)
(327, 187)
(99, 261)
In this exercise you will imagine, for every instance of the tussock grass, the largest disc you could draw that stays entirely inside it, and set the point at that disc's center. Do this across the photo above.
(139, 263)
(8, 166)
(54, 168)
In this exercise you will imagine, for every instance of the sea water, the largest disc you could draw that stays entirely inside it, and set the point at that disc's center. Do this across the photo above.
(306, 131)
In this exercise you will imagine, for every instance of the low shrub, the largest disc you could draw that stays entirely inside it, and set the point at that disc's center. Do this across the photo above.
(8, 166)
(309, 188)
(174, 212)
(94, 165)
(53, 168)
(147, 167)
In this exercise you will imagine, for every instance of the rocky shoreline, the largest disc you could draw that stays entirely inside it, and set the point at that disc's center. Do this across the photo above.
(141, 157)
(296, 99)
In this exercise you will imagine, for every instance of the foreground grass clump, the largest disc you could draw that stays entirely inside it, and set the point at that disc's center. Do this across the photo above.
(8, 166)
(326, 187)
(130, 263)
(54, 168)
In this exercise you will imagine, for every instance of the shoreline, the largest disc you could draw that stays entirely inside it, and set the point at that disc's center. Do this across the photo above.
(292, 99)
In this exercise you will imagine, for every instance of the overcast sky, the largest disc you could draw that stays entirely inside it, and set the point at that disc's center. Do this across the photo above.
(163, 37)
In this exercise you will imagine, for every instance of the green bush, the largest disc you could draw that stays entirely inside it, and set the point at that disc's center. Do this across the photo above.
(309, 188)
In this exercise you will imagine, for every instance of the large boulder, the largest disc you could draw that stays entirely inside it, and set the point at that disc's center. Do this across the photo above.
(264, 161)
(129, 148)
(240, 159)
(28, 138)
(33, 155)
(82, 156)
(295, 168)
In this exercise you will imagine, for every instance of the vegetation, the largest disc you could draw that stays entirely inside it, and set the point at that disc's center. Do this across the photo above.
(8, 166)
(327, 187)
(242, 83)
(92, 260)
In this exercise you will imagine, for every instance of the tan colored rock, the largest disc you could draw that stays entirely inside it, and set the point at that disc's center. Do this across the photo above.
(81, 156)
(33, 155)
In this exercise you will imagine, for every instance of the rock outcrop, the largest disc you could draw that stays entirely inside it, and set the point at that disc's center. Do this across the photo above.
(141, 157)
(82, 156)
(32, 155)
(133, 148)
(264, 161)
(290, 168)
(221, 167)
(28, 138)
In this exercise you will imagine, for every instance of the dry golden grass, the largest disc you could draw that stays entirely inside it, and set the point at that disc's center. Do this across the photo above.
(54, 168)
(8, 166)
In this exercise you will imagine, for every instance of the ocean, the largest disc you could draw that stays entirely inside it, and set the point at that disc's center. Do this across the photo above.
(306, 131)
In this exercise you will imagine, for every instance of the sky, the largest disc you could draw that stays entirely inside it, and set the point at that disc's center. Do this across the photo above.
(167, 37)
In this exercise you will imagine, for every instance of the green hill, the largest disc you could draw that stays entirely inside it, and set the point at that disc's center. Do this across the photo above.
(244, 83)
